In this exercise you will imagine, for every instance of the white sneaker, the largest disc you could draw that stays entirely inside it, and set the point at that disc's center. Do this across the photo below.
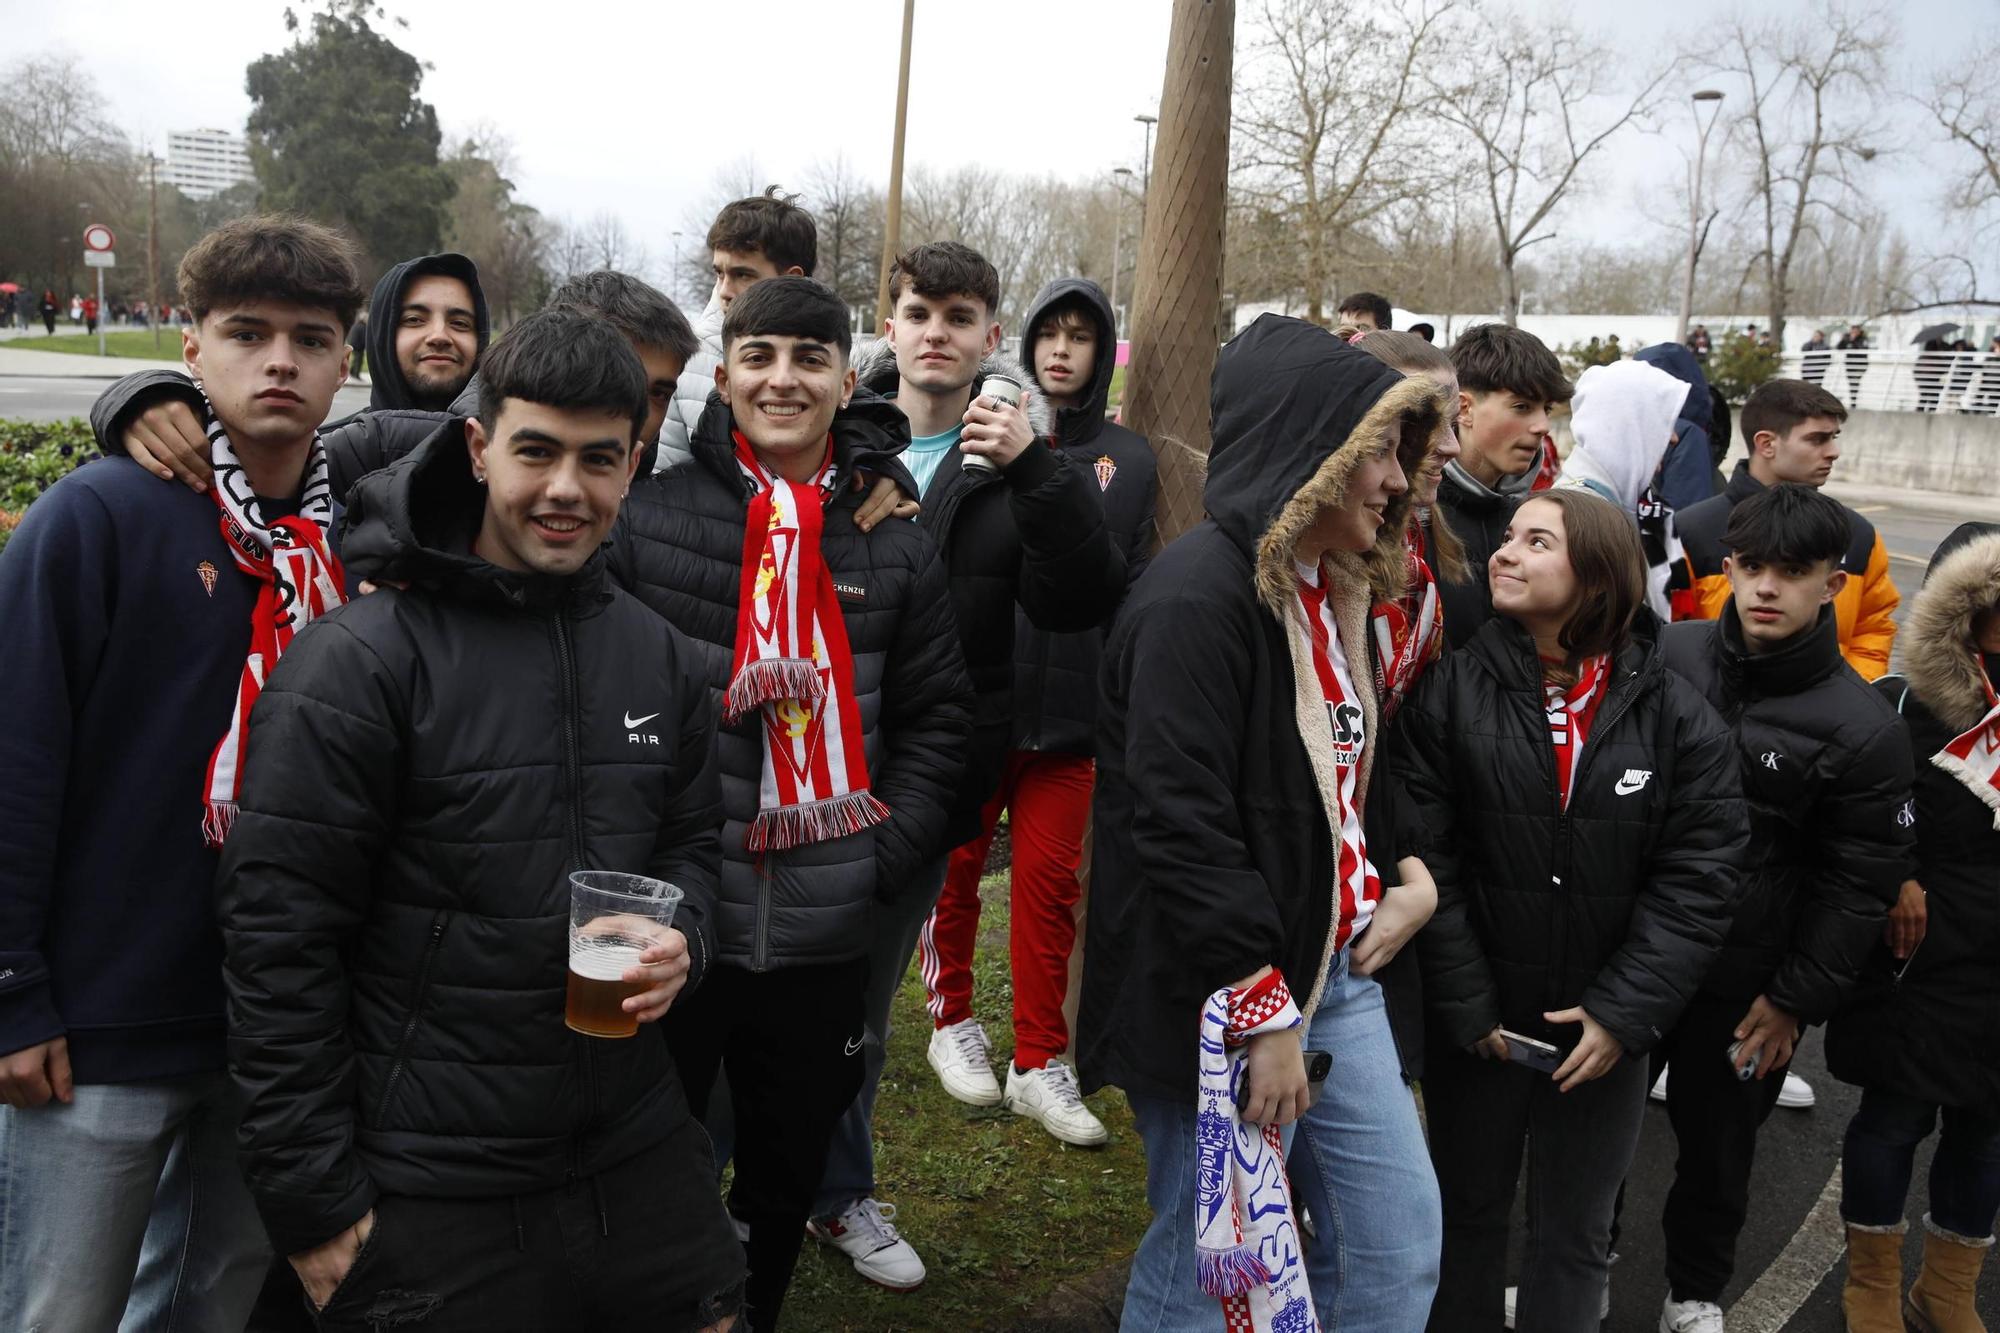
(1050, 1095)
(1797, 1094)
(865, 1233)
(1603, 1307)
(962, 1054)
(1690, 1317)
(1659, 1092)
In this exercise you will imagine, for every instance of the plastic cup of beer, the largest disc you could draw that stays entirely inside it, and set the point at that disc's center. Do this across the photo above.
(613, 918)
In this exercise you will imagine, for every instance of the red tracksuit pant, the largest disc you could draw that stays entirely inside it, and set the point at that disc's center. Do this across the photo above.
(1048, 796)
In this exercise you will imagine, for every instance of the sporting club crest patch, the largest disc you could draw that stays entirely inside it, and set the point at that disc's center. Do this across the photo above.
(1106, 470)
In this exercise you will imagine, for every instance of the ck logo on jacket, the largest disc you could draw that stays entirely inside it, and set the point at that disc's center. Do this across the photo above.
(1635, 779)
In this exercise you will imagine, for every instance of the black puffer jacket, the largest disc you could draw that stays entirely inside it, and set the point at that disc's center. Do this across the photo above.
(424, 769)
(1478, 515)
(1055, 675)
(679, 548)
(1215, 852)
(1033, 534)
(1934, 1031)
(1617, 903)
(1826, 776)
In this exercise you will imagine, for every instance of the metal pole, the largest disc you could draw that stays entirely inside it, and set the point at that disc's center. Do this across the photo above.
(100, 312)
(1694, 204)
(152, 248)
(892, 229)
(1117, 257)
(1146, 170)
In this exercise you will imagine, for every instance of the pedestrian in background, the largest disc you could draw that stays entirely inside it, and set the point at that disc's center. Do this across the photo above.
(1918, 1036)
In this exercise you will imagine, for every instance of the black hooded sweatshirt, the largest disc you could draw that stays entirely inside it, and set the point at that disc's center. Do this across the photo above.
(1055, 675)
(425, 768)
(388, 390)
(1215, 846)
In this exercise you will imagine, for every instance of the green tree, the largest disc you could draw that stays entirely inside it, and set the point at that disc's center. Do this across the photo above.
(338, 132)
(508, 239)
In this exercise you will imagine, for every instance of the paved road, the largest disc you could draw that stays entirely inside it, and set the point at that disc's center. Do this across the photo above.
(53, 398)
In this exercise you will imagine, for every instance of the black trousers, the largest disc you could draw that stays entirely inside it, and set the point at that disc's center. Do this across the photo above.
(641, 1246)
(1484, 1116)
(1715, 1117)
(790, 1041)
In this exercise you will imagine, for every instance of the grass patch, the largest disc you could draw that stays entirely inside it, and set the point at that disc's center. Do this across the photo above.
(136, 344)
(1116, 394)
(1001, 1212)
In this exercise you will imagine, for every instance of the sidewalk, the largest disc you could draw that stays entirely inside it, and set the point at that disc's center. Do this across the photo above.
(69, 366)
(1939, 504)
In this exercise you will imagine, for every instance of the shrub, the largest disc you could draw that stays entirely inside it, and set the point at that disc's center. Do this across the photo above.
(34, 455)
(1736, 366)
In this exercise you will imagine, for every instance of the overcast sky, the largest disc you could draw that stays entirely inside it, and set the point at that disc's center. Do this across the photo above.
(635, 108)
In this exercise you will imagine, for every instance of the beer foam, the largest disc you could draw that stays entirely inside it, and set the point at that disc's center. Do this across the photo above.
(596, 961)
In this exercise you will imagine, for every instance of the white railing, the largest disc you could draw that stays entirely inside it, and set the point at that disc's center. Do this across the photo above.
(1902, 380)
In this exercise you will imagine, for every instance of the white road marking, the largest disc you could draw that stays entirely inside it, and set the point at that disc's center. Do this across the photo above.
(1868, 509)
(1771, 1301)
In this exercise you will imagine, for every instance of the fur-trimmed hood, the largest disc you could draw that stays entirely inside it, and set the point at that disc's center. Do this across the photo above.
(1288, 401)
(875, 368)
(1940, 660)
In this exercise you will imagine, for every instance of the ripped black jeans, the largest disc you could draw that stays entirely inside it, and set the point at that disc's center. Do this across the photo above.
(644, 1245)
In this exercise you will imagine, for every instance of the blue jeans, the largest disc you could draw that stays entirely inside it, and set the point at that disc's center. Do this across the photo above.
(128, 1205)
(1362, 1171)
(850, 1158)
(1878, 1158)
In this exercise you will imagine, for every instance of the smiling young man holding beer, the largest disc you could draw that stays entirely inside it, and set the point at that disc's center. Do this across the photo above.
(427, 1137)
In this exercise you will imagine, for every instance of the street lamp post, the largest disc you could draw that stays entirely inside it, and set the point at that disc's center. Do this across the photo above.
(1118, 240)
(1713, 99)
(1146, 168)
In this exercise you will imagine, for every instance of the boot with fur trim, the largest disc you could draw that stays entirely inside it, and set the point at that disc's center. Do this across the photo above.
(1872, 1298)
(1940, 1300)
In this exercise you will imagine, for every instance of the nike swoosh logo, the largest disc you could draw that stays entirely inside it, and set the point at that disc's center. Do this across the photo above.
(631, 722)
(1625, 788)
(854, 1046)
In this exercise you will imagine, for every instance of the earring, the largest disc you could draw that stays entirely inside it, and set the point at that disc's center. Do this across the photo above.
(479, 477)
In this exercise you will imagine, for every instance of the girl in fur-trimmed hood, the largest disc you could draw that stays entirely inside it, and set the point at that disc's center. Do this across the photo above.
(1921, 1035)
(1232, 884)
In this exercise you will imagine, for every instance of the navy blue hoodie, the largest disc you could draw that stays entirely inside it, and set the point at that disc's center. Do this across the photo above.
(1687, 473)
(127, 627)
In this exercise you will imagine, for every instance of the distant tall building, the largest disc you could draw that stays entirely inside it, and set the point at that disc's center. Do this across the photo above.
(204, 163)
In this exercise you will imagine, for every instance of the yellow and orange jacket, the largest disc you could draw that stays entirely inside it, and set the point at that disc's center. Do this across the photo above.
(1863, 609)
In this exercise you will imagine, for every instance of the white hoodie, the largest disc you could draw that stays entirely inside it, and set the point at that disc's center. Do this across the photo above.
(1623, 419)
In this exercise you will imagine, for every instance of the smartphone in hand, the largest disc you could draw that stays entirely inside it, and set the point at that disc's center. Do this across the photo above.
(1318, 1065)
(1531, 1052)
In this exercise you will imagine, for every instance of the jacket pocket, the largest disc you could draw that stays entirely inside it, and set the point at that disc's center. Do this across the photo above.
(402, 1056)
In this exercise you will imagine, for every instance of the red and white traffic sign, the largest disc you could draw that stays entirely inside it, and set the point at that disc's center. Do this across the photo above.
(97, 236)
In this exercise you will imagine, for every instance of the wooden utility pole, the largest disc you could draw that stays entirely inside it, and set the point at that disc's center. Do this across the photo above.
(152, 247)
(1177, 302)
(892, 230)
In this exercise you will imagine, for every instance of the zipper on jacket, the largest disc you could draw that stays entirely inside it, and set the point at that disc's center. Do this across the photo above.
(1615, 708)
(760, 936)
(572, 746)
(416, 1011)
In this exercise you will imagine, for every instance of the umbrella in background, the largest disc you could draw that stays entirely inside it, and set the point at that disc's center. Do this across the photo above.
(1930, 331)
(10, 286)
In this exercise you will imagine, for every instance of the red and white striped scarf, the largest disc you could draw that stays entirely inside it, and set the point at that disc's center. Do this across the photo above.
(1974, 757)
(1570, 712)
(1357, 886)
(300, 578)
(1408, 635)
(792, 662)
(1247, 1250)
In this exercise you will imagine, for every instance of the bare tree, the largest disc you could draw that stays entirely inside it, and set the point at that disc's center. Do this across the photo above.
(1813, 97)
(849, 212)
(1537, 104)
(1326, 135)
(1966, 106)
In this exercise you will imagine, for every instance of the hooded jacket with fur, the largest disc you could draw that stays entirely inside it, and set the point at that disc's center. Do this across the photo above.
(1055, 675)
(1216, 804)
(1929, 1028)
(1032, 533)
